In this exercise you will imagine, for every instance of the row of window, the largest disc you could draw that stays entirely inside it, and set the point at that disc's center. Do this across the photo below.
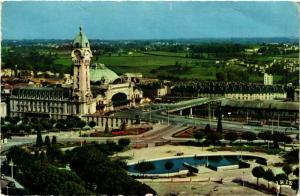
(40, 109)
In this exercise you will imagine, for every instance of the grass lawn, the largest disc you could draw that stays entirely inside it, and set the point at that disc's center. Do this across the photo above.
(160, 63)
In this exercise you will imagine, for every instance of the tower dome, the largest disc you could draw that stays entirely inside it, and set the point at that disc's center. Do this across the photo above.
(81, 41)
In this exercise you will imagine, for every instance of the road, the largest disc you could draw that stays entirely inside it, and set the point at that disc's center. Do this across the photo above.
(152, 136)
(158, 113)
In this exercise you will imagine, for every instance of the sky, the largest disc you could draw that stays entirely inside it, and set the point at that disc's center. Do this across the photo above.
(149, 20)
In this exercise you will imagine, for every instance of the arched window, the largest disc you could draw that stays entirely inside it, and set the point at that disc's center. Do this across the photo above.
(77, 45)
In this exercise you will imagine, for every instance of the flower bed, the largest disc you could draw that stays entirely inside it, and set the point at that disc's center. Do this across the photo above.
(118, 132)
(186, 133)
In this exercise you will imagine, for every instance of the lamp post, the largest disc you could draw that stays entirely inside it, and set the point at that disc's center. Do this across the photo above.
(168, 118)
(12, 168)
(150, 113)
(243, 178)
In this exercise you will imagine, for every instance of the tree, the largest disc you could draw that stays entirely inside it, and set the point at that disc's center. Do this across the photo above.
(214, 137)
(249, 136)
(53, 153)
(287, 170)
(39, 139)
(144, 167)
(277, 137)
(287, 140)
(221, 76)
(137, 119)
(92, 124)
(47, 141)
(25, 120)
(54, 140)
(292, 156)
(269, 176)
(46, 125)
(207, 129)
(265, 135)
(52, 121)
(219, 126)
(37, 126)
(295, 185)
(81, 124)
(123, 126)
(198, 136)
(60, 125)
(124, 142)
(258, 172)
(231, 136)
(19, 156)
(106, 130)
(102, 175)
(279, 178)
(296, 172)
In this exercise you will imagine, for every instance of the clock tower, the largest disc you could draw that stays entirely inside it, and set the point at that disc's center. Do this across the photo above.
(82, 96)
(81, 57)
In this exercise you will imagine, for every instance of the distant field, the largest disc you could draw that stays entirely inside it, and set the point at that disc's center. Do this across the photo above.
(158, 63)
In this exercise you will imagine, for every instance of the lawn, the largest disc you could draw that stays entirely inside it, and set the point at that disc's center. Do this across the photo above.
(164, 64)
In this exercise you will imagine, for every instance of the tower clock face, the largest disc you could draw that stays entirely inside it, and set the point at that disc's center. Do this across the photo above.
(77, 54)
(86, 53)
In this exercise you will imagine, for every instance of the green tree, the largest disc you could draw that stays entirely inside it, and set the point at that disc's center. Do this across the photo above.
(207, 129)
(144, 167)
(54, 140)
(287, 140)
(277, 137)
(46, 125)
(231, 136)
(258, 172)
(123, 126)
(221, 76)
(137, 119)
(292, 156)
(269, 176)
(279, 178)
(72, 188)
(295, 185)
(52, 121)
(81, 124)
(47, 141)
(53, 153)
(95, 168)
(265, 135)
(249, 136)
(198, 135)
(60, 125)
(106, 130)
(19, 156)
(39, 139)
(123, 142)
(214, 137)
(219, 125)
(287, 170)
(92, 124)
(296, 172)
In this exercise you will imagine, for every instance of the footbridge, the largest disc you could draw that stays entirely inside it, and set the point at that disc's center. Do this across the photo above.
(193, 103)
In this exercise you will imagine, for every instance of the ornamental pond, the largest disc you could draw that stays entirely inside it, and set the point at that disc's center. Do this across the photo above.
(212, 161)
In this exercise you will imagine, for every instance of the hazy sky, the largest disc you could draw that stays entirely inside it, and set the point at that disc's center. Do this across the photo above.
(149, 20)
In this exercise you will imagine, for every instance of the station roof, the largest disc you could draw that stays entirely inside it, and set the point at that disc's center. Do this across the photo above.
(268, 104)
